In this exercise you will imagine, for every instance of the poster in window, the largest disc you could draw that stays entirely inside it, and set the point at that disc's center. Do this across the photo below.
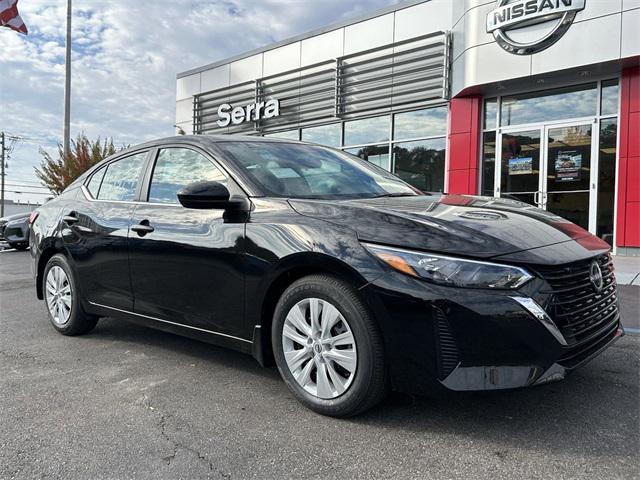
(568, 165)
(520, 165)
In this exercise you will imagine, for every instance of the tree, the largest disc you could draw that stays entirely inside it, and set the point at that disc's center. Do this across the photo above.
(58, 173)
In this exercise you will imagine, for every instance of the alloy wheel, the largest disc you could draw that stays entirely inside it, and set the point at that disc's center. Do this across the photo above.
(319, 348)
(58, 295)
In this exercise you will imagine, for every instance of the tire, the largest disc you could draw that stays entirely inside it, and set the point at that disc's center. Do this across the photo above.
(19, 246)
(64, 309)
(358, 379)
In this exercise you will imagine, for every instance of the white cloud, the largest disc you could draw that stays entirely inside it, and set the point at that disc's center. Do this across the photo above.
(125, 58)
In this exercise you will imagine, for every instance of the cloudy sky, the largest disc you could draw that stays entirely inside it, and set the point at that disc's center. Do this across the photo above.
(124, 62)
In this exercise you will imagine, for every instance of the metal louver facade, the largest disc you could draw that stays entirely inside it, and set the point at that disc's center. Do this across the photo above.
(398, 76)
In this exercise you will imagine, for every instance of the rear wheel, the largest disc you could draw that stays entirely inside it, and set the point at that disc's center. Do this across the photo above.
(328, 348)
(62, 299)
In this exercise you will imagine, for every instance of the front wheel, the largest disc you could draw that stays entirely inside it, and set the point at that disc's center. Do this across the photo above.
(328, 347)
(19, 246)
(62, 299)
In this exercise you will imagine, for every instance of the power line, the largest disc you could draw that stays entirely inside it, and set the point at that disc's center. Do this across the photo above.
(18, 180)
(24, 192)
(17, 185)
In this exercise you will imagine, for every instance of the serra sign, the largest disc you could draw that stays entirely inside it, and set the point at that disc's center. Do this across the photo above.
(228, 114)
(524, 27)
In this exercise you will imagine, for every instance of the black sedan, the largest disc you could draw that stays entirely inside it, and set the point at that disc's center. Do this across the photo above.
(349, 279)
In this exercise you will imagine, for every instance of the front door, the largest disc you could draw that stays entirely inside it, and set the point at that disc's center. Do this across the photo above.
(551, 167)
(186, 264)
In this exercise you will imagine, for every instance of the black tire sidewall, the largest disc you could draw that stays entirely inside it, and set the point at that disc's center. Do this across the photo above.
(341, 296)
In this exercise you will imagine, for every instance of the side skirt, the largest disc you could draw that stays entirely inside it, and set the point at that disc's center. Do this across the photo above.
(208, 336)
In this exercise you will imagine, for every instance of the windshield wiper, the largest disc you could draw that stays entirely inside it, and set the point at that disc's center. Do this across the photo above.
(396, 194)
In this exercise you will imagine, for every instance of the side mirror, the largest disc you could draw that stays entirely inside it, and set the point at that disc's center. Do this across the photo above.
(204, 195)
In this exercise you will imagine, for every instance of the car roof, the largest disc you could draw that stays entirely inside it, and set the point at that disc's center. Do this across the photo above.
(202, 140)
(210, 139)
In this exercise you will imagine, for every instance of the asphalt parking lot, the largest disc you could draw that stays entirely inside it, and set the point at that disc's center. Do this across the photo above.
(130, 402)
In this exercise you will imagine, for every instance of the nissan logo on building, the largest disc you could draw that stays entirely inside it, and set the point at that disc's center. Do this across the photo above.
(524, 27)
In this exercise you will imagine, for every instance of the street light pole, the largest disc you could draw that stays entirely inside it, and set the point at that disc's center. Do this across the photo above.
(67, 84)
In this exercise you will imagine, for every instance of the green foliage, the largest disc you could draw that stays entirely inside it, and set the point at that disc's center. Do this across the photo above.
(58, 173)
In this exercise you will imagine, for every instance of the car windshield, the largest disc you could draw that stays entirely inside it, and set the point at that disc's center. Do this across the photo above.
(295, 170)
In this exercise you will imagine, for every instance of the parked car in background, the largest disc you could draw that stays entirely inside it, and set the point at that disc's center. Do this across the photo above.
(14, 230)
(350, 279)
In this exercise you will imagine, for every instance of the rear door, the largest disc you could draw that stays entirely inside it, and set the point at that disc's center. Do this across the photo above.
(97, 230)
(187, 268)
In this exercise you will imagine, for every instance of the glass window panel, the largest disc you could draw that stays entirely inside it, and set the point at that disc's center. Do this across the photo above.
(376, 154)
(289, 135)
(367, 130)
(328, 135)
(520, 163)
(488, 163)
(569, 158)
(571, 102)
(421, 163)
(94, 184)
(490, 113)
(606, 179)
(421, 123)
(121, 179)
(609, 99)
(176, 168)
(574, 206)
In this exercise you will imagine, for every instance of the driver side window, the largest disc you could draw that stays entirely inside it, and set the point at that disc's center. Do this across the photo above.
(177, 167)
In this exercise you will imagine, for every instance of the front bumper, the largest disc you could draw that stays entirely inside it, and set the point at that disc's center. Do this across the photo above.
(16, 232)
(442, 338)
(505, 377)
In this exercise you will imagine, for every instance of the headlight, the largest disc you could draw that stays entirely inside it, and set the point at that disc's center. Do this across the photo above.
(451, 271)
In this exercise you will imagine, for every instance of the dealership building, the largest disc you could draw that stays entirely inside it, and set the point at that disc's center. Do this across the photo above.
(535, 100)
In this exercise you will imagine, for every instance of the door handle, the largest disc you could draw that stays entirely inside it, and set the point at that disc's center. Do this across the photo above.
(142, 228)
(69, 219)
(536, 198)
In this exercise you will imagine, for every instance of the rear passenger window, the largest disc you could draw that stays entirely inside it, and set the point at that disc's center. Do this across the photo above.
(177, 167)
(94, 184)
(121, 179)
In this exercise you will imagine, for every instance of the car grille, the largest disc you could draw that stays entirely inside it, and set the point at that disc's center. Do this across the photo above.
(448, 356)
(587, 319)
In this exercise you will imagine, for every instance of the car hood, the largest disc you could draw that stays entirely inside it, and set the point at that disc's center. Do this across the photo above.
(17, 216)
(481, 227)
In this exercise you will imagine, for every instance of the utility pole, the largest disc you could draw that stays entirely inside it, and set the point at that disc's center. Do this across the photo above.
(2, 157)
(67, 84)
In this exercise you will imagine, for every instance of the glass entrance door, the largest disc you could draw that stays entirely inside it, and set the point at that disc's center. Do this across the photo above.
(520, 166)
(550, 167)
(566, 190)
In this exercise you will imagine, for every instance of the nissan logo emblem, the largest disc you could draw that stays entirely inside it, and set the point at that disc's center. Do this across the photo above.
(524, 27)
(595, 275)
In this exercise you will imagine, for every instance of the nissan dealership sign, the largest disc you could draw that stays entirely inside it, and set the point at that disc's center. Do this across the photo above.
(524, 27)
(228, 114)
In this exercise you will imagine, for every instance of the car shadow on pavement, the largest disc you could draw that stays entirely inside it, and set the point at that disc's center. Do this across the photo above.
(596, 407)
(123, 331)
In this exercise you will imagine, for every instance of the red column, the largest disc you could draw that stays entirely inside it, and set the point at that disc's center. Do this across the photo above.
(628, 223)
(463, 144)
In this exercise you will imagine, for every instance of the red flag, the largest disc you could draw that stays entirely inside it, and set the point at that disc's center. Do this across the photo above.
(9, 16)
